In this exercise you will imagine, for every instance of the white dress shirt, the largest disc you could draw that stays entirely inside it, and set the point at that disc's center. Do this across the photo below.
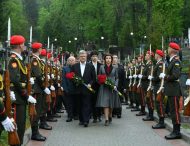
(82, 68)
(95, 66)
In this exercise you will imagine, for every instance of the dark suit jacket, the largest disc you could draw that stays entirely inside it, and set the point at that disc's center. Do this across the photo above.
(122, 78)
(96, 85)
(89, 76)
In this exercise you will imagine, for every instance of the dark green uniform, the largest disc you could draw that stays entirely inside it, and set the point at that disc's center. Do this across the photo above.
(36, 73)
(18, 79)
(157, 83)
(173, 91)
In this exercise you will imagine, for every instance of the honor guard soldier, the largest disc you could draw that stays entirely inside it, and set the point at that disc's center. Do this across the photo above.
(18, 80)
(172, 88)
(158, 69)
(145, 84)
(36, 73)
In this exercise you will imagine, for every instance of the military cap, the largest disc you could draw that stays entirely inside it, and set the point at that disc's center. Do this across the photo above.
(160, 52)
(174, 46)
(17, 40)
(36, 45)
(43, 52)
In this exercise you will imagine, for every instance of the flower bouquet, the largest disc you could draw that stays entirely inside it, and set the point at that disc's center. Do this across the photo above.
(102, 79)
(77, 80)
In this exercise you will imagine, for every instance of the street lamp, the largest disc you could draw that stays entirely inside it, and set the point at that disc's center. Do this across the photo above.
(75, 39)
(131, 33)
(69, 41)
(76, 43)
(145, 37)
(102, 38)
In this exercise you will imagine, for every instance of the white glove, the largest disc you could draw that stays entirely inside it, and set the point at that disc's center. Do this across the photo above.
(47, 91)
(52, 76)
(52, 88)
(58, 77)
(124, 90)
(62, 88)
(58, 85)
(48, 76)
(150, 77)
(8, 125)
(115, 88)
(140, 76)
(32, 81)
(130, 77)
(31, 99)
(188, 82)
(12, 95)
(134, 76)
(162, 75)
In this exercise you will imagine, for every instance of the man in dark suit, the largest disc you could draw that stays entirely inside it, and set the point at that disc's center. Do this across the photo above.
(69, 90)
(96, 111)
(87, 72)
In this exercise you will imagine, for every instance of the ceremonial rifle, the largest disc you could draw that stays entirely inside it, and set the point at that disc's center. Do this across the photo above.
(31, 107)
(13, 138)
(149, 89)
(46, 81)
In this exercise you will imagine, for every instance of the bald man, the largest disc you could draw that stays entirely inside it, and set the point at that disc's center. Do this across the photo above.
(69, 90)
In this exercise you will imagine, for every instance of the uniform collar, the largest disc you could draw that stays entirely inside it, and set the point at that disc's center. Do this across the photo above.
(158, 61)
(172, 57)
(17, 54)
(36, 56)
(148, 62)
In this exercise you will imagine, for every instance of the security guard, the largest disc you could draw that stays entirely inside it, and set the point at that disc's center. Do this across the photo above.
(18, 79)
(172, 88)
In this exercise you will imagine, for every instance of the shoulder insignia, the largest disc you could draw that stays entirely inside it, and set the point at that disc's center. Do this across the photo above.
(177, 64)
(35, 63)
(14, 65)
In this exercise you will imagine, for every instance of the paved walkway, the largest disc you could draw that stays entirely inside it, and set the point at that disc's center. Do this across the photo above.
(127, 131)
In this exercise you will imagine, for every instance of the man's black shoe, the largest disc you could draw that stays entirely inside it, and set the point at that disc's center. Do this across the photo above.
(56, 116)
(60, 111)
(45, 126)
(158, 126)
(119, 116)
(148, 119)
(51, 120)
(135, 110)
(69, 120)
(173, 135)
(38, 137)
(141, 114)
(85, 124)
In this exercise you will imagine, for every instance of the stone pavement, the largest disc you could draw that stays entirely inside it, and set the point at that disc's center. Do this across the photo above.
(127, 131)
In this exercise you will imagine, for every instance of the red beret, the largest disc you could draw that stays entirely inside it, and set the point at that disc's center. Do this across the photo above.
(49, 55)
(174, 46)
(43, 52)
(17, 40)
(160, 52)
(150, 53)
(36, 45)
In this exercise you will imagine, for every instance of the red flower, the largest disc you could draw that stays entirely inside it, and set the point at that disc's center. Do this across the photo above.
(70, 75)
(102, 79)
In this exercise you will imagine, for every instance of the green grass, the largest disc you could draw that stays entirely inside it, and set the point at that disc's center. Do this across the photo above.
(186, 126)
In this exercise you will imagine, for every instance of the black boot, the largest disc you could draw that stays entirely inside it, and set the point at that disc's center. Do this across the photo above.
(175, 134)
(160, 124)
(149, 117)
(36, 135)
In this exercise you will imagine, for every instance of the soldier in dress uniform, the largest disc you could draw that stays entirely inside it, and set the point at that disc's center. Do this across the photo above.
(157, 83)
(145, 84)
(18, 79)
(172, 88)
(130, 73)
(36, 73)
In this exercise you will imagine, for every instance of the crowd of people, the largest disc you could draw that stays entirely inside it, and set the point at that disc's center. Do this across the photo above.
(88, 89)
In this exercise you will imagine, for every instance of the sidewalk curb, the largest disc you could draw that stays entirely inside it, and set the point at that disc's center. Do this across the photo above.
(169, 126)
